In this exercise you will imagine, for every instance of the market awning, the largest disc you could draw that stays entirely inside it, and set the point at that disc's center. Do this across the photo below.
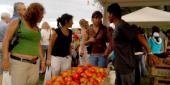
(147, 17)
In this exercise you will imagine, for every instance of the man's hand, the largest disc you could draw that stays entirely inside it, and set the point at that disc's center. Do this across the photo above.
(92, 39)
(154, 60)
(81, 54)
(105, 55)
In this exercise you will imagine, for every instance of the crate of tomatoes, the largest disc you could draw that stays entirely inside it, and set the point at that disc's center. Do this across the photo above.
(81, 75)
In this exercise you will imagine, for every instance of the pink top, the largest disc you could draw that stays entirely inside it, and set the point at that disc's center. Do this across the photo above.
(82, 46)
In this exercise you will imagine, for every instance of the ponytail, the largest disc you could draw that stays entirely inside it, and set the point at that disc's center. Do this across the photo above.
(63, 20)
(59, 22)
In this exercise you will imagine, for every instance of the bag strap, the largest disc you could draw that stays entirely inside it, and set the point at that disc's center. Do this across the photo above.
(50, 33)
(18, 27)
(90, 29)
(97, 33)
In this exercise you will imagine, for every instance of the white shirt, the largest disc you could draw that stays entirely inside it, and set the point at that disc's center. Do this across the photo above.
(45, 36)
(3, 27)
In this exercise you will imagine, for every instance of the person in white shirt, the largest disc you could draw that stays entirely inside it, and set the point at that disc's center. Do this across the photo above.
(83, 50)
(45, 37)
(5, 18)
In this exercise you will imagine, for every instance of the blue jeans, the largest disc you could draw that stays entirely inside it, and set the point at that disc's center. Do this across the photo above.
(45, 48)
(97, 60)
(142, 66)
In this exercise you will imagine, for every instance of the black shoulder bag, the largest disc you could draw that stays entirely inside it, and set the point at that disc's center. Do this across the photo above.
(15, 38)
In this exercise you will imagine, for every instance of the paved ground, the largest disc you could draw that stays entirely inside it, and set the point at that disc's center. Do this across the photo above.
(41, 80)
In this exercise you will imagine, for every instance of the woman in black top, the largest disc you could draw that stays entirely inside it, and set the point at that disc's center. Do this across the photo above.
(59, 47)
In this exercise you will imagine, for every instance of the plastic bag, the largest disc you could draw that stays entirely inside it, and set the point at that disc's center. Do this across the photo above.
(6, 79)
(48, 74)
(112, 76)
(111, 73)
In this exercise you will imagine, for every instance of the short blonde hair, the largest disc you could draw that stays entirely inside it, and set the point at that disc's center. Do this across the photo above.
(84, 23)
(44, 25)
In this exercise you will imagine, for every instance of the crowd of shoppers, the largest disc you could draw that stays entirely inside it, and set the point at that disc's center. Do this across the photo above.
(61, 48)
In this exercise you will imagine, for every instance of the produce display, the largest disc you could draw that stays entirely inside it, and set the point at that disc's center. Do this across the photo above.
(81, 75)
(156, 60)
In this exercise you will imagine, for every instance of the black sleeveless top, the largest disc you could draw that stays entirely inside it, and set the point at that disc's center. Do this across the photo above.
(62, 44)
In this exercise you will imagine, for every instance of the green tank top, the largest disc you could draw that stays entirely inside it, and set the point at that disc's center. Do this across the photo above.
(28, 41)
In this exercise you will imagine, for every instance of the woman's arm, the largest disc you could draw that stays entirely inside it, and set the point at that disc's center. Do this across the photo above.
(7, 38)
(82, 46)
(88, 39)
(41, 57)
(86, 42)
(50, 46)
(84, 38)
(41, 53)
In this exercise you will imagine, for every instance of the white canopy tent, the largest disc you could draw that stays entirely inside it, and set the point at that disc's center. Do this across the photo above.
(134, 3)
(147, 17)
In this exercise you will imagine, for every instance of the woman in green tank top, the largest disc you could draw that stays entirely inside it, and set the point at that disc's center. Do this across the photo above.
(24, 55)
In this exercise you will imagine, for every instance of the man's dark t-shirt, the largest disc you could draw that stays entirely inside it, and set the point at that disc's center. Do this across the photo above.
(122, 45)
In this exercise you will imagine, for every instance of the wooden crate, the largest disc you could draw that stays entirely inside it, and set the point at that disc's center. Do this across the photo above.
(160, 74)
(161, 81)
(160, 71)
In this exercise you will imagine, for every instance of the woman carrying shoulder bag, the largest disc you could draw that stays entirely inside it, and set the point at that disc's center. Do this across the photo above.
(22, 63)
